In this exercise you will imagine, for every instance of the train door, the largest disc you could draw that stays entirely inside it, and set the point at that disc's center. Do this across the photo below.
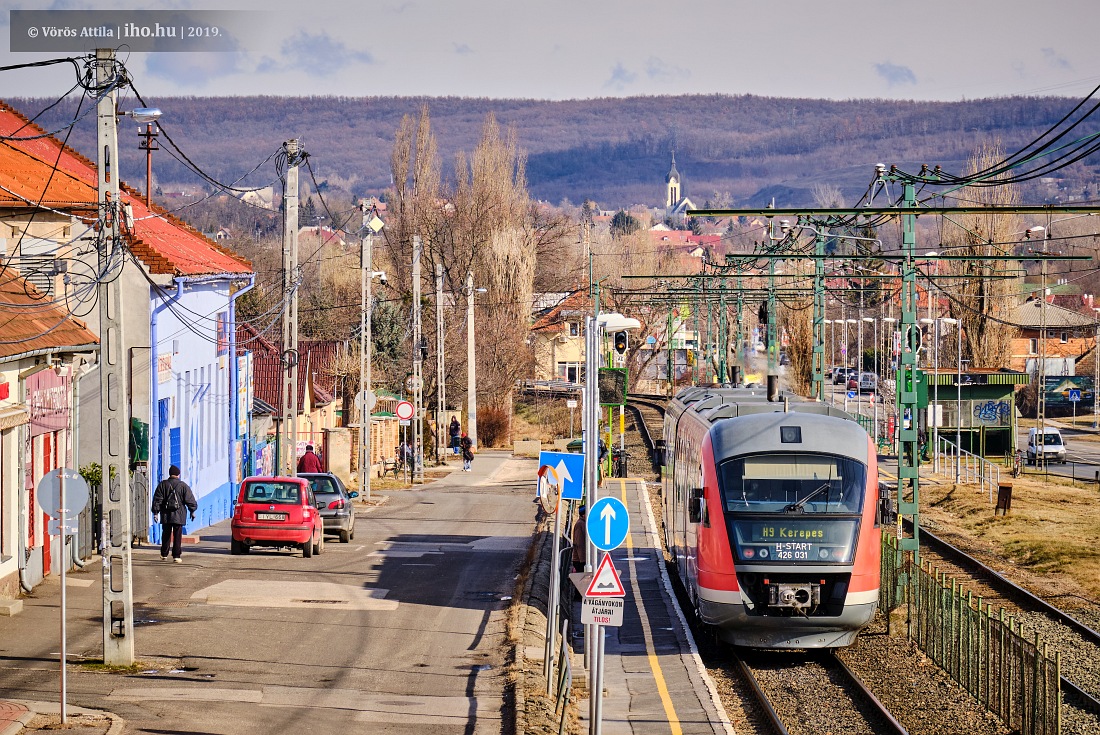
(692, 480)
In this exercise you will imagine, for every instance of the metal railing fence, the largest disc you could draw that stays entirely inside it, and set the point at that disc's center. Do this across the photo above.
(1012, 676)
(968, 468)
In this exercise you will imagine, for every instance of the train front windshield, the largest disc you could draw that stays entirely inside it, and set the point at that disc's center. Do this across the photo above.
(793, 483)
(793, 507)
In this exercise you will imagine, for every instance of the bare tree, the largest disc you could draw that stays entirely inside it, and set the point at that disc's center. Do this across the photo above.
(982, 294)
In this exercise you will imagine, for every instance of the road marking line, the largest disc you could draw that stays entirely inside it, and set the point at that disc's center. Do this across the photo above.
(716, 702)
(647, 633)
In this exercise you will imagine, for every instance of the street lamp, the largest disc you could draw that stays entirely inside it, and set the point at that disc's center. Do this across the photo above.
(874, 369)
(935, 415)
(847, 344)
(372, 225)
(471, 367)
(890, 320)
(594, 328)
(931, 264)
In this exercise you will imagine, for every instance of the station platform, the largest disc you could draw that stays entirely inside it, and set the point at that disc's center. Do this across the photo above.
(654, 681)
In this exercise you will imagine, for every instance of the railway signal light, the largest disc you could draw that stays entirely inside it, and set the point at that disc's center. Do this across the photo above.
(620, 342)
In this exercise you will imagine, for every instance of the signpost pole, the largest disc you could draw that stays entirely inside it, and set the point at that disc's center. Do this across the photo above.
(552, 601)
(64, 563)
(590, 432)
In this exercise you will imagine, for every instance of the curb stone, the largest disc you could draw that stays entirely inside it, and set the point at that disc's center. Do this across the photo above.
(118, 725)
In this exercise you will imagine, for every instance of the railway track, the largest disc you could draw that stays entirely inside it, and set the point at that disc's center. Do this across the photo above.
(1077, 644)
(813, 693)
(921, 697)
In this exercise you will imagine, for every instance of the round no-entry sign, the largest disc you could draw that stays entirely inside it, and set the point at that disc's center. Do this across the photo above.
(405, 410)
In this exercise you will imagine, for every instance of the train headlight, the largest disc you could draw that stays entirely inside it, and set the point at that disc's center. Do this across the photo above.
(748, 553)
(763, 553)
(824, 553)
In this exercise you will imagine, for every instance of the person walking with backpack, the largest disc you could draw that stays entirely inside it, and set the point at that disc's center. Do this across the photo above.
(467, 445)
(172, 501)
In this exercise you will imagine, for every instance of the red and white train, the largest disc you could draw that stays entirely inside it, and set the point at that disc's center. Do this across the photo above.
(772, 515)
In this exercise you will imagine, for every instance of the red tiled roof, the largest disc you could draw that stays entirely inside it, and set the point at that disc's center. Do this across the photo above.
(555, 319)
(30, 321)
(314, 357)
(249, 339)
(165, 244)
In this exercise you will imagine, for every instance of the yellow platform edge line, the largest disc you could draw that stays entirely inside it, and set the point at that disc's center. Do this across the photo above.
(654, 662)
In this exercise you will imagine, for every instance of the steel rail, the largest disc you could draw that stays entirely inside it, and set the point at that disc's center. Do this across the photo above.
(772, 716)
(894, 726)
(1089, 702)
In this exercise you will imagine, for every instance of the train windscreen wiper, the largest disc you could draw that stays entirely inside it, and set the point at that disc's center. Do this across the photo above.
(797, 507)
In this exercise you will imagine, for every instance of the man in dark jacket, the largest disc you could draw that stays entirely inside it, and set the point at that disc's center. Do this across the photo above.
(454, 430)
(310, 462)
(173, 500)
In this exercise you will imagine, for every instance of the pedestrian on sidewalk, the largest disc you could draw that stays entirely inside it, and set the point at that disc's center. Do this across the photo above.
(310, 462)
(454, 430)
(580, 540)
(172, 501)
(467, 452)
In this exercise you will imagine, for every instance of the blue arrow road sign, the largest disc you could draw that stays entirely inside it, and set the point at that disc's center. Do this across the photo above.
(570, 470)
(608, 523)
(851, 394)
(1075, 394)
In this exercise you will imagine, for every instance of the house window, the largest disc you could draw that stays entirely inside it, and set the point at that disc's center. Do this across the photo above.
(1033, 348)
(1063, 337)
(574, 329)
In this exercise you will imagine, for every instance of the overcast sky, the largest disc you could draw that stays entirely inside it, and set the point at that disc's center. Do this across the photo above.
(566, 49)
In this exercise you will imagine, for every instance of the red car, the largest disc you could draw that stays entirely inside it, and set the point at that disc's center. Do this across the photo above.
(279, 512)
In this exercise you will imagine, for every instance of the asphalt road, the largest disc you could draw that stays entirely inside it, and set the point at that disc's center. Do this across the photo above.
(1082, 454)
(399, 631)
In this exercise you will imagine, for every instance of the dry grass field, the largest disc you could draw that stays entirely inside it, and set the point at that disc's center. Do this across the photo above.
(1051, 536)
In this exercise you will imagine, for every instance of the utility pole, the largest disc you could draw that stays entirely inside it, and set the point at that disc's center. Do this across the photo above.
(772, 333)
(118, 596)
(149, 144)
(1041, 403)
(471, 363)
(669, 366)
(418, 367)
(723, 335)
(817, 365)
(739, 350)
(365, 267)
(907, 391)
(440, 372)
(290, 308)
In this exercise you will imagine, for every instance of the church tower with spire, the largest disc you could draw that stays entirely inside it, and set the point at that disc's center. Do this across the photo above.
(673, 187)
(676, 203)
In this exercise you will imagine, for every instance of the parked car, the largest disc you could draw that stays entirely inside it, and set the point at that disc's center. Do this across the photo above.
(868, 383)
(277, 511)
(1049, 445)
(852, 384)
(841, 375)
(334, 502)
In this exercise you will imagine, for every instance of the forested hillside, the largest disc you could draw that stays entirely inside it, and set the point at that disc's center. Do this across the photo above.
(614, 151)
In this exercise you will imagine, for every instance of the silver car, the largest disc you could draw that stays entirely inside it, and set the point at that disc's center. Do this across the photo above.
(334, 503)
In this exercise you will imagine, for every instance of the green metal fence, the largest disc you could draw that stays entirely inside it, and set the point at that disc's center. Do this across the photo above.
(985, 652)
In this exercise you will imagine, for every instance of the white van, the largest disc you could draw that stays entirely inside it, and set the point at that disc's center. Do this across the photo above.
(1050, 445)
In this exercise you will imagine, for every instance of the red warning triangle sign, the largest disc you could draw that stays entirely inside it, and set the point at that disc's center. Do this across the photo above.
(606, 582)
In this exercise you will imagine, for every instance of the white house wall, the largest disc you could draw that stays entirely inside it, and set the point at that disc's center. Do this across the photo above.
(194, 381)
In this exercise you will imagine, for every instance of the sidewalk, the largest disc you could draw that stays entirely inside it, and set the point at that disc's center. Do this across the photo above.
(23, 716)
